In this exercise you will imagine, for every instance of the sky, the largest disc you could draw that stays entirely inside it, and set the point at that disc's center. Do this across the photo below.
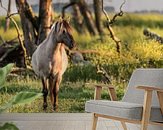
(130, 6)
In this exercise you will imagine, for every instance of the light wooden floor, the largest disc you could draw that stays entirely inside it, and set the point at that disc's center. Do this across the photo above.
(57, 121)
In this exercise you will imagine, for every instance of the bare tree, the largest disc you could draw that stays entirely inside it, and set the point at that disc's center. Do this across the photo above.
(45, 19)
(77, 18)
(85, 12)
(109, 25)
(29, 33)
(87, 16)
(35, 29)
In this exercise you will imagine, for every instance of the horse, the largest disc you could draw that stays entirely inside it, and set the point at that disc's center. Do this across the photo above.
(50, 61)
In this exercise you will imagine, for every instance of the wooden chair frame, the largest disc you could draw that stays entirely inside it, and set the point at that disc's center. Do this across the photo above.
(146, 107)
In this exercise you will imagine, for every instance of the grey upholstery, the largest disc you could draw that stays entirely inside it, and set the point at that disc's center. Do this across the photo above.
(132, 111)
(143, 77)
(131, 105)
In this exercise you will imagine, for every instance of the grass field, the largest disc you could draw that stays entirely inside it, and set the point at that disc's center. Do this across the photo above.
(76, 88)
(72, 96)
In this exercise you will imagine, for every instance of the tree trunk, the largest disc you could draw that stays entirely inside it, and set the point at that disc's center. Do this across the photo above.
(8, 13)
(98, 14)
(35, 29)
(77, 18)
(45, 19)
(27, 27)
(87, 17)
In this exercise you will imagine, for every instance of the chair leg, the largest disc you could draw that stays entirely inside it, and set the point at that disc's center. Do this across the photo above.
(124, 125)
(144, 127)
(94, 123)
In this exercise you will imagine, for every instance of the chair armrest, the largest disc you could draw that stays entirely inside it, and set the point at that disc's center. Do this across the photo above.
(148, 88)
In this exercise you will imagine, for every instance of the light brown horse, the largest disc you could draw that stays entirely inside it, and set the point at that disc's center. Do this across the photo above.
(50, 61)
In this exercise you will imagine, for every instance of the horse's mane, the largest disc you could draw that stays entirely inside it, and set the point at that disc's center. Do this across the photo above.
(67, 26)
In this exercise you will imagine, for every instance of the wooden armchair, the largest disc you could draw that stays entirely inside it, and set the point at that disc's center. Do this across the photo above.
(137, 106)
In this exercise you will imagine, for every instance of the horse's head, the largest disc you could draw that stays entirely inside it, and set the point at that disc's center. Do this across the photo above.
(63, 33)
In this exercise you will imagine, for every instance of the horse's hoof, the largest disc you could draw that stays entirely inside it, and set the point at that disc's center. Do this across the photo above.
(45, 106)
(52, 110)
(55, 109)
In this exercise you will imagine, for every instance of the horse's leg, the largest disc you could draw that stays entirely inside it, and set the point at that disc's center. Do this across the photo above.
(45, 92)
(56, 91)
(51, 88)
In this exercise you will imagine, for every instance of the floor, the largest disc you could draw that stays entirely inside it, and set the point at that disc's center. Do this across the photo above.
(57, 121)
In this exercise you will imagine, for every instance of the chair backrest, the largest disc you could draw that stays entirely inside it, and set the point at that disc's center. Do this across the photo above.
(143, 77)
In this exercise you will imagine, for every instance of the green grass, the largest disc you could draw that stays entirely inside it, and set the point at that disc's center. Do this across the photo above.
(137, 52)
(72, 96)
(150, 20)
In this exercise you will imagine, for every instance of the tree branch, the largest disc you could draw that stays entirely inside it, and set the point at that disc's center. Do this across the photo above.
(119, 14)
(65, 7)
(20, 41)
(7, 52)
(109, 22)
(8, 43)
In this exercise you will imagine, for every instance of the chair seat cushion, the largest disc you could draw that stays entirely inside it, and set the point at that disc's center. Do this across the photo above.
(131, 111)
